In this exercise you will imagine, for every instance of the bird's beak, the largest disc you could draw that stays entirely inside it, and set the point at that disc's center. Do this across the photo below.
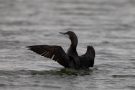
(62, 33)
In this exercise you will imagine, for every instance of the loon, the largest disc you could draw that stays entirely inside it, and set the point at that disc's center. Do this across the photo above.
(69, 59)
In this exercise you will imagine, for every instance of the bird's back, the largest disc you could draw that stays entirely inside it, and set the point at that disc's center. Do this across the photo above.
(74, 58)
(86, 62)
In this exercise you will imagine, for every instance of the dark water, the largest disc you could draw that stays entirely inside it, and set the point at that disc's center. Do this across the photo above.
(108, 25)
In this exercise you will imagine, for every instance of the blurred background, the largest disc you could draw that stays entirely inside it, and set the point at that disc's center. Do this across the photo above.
(108, 25)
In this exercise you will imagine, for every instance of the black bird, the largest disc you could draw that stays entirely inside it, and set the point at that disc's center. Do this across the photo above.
(69, 59)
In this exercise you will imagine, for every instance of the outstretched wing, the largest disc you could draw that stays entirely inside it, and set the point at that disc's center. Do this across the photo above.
(90, 51)
(87, 60)
(53, 52)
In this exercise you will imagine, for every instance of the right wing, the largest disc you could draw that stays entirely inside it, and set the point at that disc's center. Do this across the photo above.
(53, 52)
(87, 59)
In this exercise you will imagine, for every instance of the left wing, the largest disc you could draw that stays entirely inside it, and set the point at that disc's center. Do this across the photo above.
(53, 52)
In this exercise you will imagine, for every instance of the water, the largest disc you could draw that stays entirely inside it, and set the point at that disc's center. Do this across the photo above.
(108, 25)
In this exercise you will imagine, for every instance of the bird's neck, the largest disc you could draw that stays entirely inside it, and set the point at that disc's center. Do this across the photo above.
(74, 42)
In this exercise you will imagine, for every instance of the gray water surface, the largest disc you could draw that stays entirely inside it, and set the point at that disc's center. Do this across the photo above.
(108, 25)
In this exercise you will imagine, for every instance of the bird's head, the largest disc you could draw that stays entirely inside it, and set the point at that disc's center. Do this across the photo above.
(70, 34)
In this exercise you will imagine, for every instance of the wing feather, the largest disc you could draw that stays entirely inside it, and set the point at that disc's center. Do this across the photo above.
(87, 59)
(53, 52)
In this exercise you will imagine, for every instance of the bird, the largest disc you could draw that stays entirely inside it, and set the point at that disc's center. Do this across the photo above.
(69, 59)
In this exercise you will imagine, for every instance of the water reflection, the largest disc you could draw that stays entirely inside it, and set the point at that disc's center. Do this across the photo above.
(64, 71)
